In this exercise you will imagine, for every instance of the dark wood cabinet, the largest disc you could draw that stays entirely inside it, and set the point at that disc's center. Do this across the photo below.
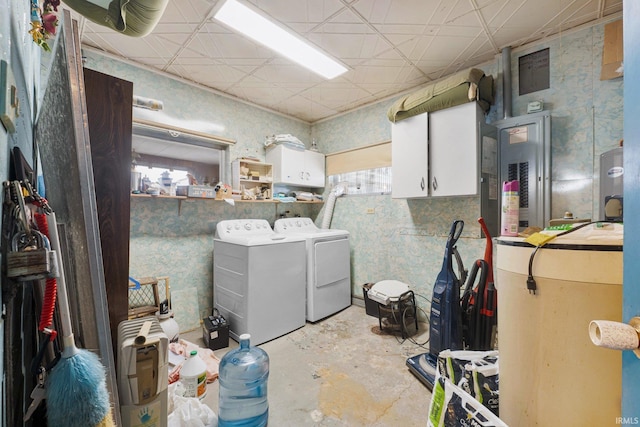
(109, 115)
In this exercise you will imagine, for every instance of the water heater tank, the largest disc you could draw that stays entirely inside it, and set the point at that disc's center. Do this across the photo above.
(549, 368)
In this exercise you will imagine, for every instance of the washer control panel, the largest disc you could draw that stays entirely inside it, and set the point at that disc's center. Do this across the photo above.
(243, 227)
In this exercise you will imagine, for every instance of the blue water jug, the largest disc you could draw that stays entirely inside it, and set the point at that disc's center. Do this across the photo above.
(243, 375)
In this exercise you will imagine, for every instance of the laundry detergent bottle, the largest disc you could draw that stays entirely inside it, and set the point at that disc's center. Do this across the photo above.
(193, 376)
(243, 375)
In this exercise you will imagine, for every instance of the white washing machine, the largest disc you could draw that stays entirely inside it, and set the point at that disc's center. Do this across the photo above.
(328, 266)
(258, 279)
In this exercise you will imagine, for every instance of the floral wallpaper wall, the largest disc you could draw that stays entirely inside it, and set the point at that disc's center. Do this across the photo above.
(586, 118)
(175, 238)
(403, 239)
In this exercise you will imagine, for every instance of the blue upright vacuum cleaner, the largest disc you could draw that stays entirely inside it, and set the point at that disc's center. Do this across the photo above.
(458, 322)
(445, 330)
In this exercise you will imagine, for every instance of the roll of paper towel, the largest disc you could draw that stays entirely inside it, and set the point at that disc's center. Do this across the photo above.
(614, 335)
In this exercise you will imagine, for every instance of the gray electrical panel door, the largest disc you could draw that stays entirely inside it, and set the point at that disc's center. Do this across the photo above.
(525, 155)
(611, 185)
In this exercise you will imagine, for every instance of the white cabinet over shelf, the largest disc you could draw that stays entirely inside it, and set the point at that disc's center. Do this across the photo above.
(304, 168)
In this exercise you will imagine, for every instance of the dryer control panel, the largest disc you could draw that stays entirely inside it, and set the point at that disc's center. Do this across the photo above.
(294, 225)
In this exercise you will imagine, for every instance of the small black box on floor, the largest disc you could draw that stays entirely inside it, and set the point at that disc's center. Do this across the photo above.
(371, 306)
(215, 332)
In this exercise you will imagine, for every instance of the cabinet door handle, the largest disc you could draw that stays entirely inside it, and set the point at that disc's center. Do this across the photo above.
(434, 183)
(308, 176)
(422, 184)
(301, 175)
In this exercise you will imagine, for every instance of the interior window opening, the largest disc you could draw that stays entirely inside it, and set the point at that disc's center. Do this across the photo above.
(158, 180)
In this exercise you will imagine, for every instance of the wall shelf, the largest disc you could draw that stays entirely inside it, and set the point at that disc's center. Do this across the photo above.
(254, 177)
(181, 199)
(149, 196)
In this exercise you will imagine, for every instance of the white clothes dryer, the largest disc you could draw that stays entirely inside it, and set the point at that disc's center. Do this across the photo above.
(328, 266)
(258, 279)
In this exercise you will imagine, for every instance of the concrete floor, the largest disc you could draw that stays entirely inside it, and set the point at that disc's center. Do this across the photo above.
(340, 371)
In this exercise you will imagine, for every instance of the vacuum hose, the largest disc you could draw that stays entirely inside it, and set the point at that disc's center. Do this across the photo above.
(336, 192)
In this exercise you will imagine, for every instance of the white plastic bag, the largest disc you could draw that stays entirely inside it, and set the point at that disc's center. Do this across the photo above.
(476, 372)
(188, 411)
(451, 406)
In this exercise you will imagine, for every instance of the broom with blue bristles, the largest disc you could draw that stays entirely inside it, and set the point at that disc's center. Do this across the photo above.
(76, 388)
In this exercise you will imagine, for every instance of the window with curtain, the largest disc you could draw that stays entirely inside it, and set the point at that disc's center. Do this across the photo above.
(366, 170)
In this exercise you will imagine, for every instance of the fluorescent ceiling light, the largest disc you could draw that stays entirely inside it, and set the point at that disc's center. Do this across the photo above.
(260, 29)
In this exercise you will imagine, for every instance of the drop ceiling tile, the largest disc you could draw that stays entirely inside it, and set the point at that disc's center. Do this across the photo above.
(395, 90)
(374, 73)
(612, 6)
(151, 47)
(186, 11)
(492, 9)
(175, 28)
(374, 11)
(305, 109)
(299, 11)
(341, 46)
(414, 49)
(220, 47)
(463, 14)
(266, 98)
(532, 16)
(333, 95)
(279, 72)
(373, 45)
(506, 14)
(431, 66)
(389, 46)
(233, 46)
(399, 12)
(511, 36)
(404, 31)
(215, 75)
(447, 48)
(478, 47)
(442, 12)
(461, 31)
(411, 74)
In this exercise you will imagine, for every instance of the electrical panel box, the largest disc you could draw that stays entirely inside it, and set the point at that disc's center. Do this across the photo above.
(525, 153)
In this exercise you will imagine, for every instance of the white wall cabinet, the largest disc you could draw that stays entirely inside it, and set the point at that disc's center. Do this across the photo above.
(302, 168)
(444, 146)
(454, 146)
(410, 157)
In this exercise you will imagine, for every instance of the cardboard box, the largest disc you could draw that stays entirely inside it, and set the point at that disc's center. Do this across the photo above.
(202, 191)
(612, 51)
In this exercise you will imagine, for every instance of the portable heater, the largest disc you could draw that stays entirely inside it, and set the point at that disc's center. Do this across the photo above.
(143, 353)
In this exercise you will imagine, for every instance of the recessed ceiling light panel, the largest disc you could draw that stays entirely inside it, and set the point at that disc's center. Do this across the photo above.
(255, 26)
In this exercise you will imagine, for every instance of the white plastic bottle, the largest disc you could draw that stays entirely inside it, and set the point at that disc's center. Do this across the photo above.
(193, 376)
